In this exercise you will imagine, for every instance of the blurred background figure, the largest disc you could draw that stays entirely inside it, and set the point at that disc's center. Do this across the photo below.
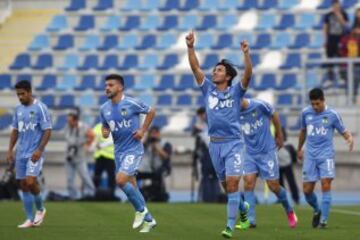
(155, 166)
(78, 137)
(209, 188)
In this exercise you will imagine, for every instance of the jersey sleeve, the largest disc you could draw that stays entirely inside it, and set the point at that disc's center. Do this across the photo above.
(266, 108)
(205, 86)
(338, 123)
(140, 106)
(103, 120)
(15, 120)
(44, 117)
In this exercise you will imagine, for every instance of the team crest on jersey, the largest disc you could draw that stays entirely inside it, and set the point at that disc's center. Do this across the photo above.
(325, 120)
(32, 114)
(254, 113)
(123, 112)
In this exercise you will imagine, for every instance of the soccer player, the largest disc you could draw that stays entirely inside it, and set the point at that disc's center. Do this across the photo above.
(261, 154)
(222, 100)
(318, 122)
(32, 130)
(120, 117)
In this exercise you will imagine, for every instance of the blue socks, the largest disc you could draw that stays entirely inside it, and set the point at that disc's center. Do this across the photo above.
(325, 206)
(148, 217)
(134, 196)
(250, 198)
(39, 202)
(28, 205)
(232, 208)
(312, 201)
(284, 200)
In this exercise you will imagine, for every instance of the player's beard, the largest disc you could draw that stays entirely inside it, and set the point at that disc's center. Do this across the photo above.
(110, 95)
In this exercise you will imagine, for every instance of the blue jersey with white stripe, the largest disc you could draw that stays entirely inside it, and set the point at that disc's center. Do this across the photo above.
(123, 120)
(30, 122)
(320, 131)
(222, 109)
(255, 123)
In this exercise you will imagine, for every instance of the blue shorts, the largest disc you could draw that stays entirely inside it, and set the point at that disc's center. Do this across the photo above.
(266, 165)
(226, 158)
(316, 169)
(128, 162)
(25, 167)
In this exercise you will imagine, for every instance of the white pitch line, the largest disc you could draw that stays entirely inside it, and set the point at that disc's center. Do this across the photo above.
(345, 212)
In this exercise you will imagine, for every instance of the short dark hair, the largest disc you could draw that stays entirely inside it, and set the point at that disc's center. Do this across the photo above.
(201, 110)
(335, 2)
(116, 77)
(316, 94)
(74, 113)
(229, 68)
(23, 84)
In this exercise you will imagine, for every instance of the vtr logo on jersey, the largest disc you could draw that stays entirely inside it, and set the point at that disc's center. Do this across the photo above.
(248, 128)
(115, 126)
(215, 103)
(312, 131)
(23, 127)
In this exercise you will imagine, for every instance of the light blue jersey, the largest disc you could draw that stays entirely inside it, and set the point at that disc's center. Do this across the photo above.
(123, 120)
(222, 109)
(30, 122)
(320, 131)
(255, 125)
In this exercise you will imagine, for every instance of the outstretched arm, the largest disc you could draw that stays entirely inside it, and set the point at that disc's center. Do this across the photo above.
(248, 64)
(349, 139)
(193, 61)
(139, 134)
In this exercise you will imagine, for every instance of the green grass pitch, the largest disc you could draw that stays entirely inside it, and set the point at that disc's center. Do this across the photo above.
(102, 221)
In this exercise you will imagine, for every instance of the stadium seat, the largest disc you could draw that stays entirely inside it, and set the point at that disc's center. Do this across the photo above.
(189, 5)
(60, 123)
(147, 98)
(160, 121)
(149, 5)
(287, 21)
(68, 83)
(129, 81)
(206, 40)
(49, 81)
(235, 58)
(110, 62)
(91, 42)
(170, 5)
(284, 99)
(184, 100)
(112, 23)
(44, 61)
(130, 61)
(263, 41)
(148, 41)
(187, 82)
(132, 22)
(5, 121)
(208, 22)
(149, 23)
(146, 82)
(288, 82)
(293, 60)
(266, 21)
(169, 61)
(90, 62)
(325, 4)
(317, 41)
(187, 23)
(57, 24)
(209, 5)
(40, 42)
(302, 40)
(247, 4)
(102, 99)
(131, 5)
(169, 22)
(65, 42)
(86, 22)
(71, 61)
(224, 41)
(349, 3)
(48, 100)
(87, 100)
(104, 5)
(210, 61)
(164, 100)
(267, 4)
(226, 22)
(150, 61)
(305, 21)
(110, 42)
(21, 61)
(268, 81)
(129, 41)
(76, 5)
(166, 41)
(66, 101)
(167, 81)
(287, 4)
(249, 37)
(21, 77)
(282, 40)
(228, 5)
(5, 81)
(87, 82)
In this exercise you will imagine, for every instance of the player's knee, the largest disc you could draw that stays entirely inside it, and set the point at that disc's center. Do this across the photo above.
(29, 183)
(249, 185)
(121, 181)
(274, 186)
(325, 186)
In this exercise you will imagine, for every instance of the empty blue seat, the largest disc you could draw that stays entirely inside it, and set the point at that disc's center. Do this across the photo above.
(247, 4)
(60, 123)
(68, 83)
(287, 21)
(210, 61)
(40, 42)
(317, 41)
(170, 5)
(44, 61)
(228, 5)
(226, 22)
(132, 22)
(167, 81)
(164, 100)
(57, 24)
(281, 40)
(102, 99)
(5, 121)
(288, 81)
(129, 81)
(104, 5)
(91, 42)
(71, 61)
(349, 3)
(263, 41)
(87, 100)
(206, 40)
(302, 40)
(187, 81)
(266, 22)
(110, 62)
(249, 37)
(287, 4)
(149, 41)
(189, 5)
(147, 98)
(224, 41)
(48, 100)
(130, 61)
(112, 23)
(169, 61)
(187, 23)
(67, 101)
(90, 62)
(255, 58)
(208, 22)
(184, 100)
(110, 42)
(267, 4)
(27, 77)
(129, 41)
(149, 23)
(5, 81)
(131, 5)
(305, 21)
(293, 60)
(21, 61)
(267, 81)
(285, 99)
(150, 61)
(86, 22)
(160, 121)
(65, 42)
(325, 4)
(235, 58)
(48, 82)
(146, 82)
(76, 5)
(87, 82)
(166, 41)
(149, 5)
(169, 22)
(208, 5)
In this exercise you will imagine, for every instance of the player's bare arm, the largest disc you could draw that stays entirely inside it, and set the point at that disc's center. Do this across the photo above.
(139, 134)
(193, 60)
(349, 139)
(44, 141)
(248, 64)
(302, 137)
(12, 143)
(279, 138)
